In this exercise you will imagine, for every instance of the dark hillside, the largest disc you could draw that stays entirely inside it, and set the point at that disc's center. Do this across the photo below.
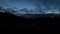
(15, 23)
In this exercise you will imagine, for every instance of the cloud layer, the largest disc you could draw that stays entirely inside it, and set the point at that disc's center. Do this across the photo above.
(36, 6)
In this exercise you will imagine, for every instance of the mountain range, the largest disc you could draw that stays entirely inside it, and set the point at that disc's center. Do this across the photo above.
(25, 22)
(34, 13)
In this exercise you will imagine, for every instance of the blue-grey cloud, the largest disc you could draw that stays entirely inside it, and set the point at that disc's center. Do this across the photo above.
(46, 6)
(29, 3)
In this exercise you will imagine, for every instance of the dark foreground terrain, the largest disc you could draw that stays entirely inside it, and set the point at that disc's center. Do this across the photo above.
(10, 22)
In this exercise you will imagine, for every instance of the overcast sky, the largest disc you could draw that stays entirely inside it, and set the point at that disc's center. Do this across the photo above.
(29, 3)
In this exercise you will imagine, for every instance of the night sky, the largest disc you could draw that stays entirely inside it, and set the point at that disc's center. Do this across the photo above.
(30, 3)
(53, 5)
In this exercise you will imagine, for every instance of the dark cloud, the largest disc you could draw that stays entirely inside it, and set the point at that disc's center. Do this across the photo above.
(47, 5)
(26, 3)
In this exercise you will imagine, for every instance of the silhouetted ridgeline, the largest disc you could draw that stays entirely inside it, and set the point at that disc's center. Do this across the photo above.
(10, 18)
(10, 22)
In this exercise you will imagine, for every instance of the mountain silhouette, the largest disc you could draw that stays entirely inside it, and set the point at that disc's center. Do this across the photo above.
(27, 24)
(43, 23)
(28, 18)
(11, 18)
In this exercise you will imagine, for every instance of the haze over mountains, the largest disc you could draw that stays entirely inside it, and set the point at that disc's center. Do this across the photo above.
(30, 13)
(19, 15)
(22, 7)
